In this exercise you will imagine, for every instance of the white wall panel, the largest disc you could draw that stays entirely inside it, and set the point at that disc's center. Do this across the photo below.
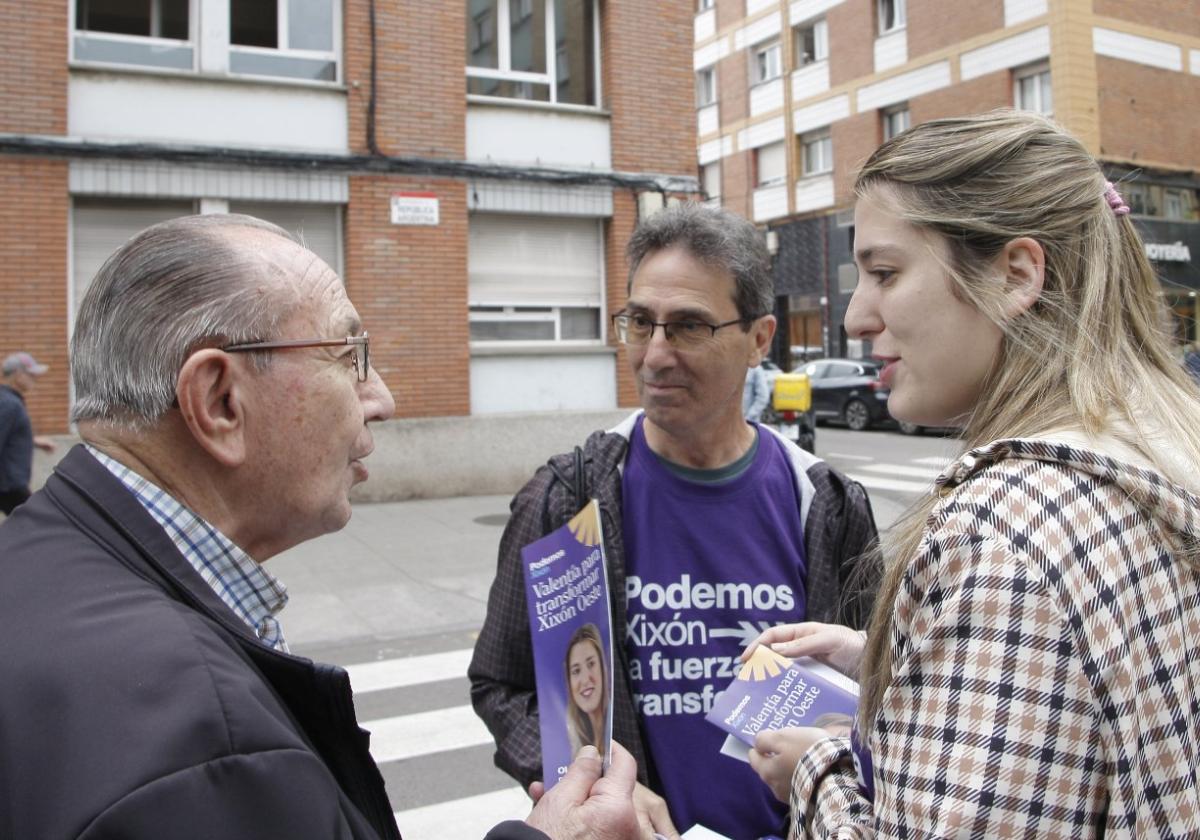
(708, 152)
(706, 25)
(158, 179)
(710, 54)
(803, 10)
(759, 30)
(707, 121)
(760, 134)
(198, 112)
(811, 80)
(770, 203)
(904, 87)
(559, 382)
(814, 193)
(821, 114)
(753, 7)
(891, 50)
(501, 134)
(1135, 48)
(539, 199)
(766, 97)
(1017, 11)
(1025, 48)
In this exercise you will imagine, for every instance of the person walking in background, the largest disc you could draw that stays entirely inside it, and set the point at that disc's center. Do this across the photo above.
(756, 394)
(17, 440)
(713, 527)
(1030, 669)
(1191, 362)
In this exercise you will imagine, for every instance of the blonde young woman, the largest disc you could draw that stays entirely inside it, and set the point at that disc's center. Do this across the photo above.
(1031, 667)
(587, 690)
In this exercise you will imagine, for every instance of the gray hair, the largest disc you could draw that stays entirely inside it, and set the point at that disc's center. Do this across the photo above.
(717, 238)
(175, 287)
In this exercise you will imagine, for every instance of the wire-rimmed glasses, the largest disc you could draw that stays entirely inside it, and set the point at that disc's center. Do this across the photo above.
(360, 343)
(685, 333)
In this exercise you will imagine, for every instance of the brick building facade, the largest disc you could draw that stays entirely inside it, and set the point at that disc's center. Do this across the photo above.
(520, 133)
(793, 95)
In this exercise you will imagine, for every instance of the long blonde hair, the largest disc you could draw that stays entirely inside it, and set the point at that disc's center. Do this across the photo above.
(1091, 354)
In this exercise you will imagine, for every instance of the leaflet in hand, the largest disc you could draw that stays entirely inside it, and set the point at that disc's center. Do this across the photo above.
(774, 692)
(566, 587)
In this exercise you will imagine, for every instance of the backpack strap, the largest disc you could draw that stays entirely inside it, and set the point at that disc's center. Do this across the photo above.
(576, 483)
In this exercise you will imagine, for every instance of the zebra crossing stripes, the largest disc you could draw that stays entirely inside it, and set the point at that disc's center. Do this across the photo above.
(469, 818)
(408, 747)
(409, 670)
(901, 478)
(439, 730)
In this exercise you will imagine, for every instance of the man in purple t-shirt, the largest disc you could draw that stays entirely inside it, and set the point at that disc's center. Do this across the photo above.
(714, 529)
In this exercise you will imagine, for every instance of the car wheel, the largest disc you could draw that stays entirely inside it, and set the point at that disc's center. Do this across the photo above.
(857, 415)
(909, 428)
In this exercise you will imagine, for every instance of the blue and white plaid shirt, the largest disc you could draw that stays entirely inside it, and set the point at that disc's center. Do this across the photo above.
(244, 585)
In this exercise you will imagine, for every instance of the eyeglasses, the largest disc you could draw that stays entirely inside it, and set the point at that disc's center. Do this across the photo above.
(684, 333)
(360, 343)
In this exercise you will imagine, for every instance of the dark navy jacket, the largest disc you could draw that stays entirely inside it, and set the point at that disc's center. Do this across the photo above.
(135, 704)
(16, 441)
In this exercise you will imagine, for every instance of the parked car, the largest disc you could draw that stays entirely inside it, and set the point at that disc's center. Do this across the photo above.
(848, 391)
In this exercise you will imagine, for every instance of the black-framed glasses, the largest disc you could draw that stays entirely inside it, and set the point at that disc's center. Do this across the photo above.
(360, 343)
(684, 333)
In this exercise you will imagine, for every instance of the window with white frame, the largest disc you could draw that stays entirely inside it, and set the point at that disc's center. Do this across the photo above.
(816, 153)
(509, 42)
(292, 38)
(770, 164)
(895, 120)
(534, 278)
(811, 42)
(891, 15)
(704, 5)
(765, 62)
(1031, 89)
(706, 86)
(296, 39)
(149, 33)
(710, 180)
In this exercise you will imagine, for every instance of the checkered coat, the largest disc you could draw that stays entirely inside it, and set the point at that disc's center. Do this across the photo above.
(838, 529)
(1045, 674)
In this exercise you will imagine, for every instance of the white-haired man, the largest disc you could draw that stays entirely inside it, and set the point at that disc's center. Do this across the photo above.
(224, 397)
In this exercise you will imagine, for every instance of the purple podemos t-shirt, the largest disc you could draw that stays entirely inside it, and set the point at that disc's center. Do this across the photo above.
(708, 568)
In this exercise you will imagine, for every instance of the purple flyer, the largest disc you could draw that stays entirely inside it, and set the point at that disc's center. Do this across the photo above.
(774, 692)
(566, 586)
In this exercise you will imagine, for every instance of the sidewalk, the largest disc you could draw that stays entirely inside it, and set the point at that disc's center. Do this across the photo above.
(404, 570)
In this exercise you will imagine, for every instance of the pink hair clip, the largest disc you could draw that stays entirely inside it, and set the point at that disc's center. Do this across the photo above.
(1118, 205)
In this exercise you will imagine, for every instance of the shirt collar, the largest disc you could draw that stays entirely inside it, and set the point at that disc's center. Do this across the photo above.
(248, 589)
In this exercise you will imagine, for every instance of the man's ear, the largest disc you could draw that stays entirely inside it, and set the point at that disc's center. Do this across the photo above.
(763, 331)
(210, 391)
(1023, 264)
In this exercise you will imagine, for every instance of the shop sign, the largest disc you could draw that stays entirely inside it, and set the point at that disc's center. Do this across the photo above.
(414, 208)
(1168, 252)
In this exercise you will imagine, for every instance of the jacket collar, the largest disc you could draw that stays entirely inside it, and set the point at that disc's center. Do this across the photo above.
(1173, 506)
(112, 506)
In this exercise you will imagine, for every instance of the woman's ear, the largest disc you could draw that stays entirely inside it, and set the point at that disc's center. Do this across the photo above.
(209, 392)
(1023, 264)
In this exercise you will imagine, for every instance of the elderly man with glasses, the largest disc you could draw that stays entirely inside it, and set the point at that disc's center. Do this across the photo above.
(714, 529)
(224, 394)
